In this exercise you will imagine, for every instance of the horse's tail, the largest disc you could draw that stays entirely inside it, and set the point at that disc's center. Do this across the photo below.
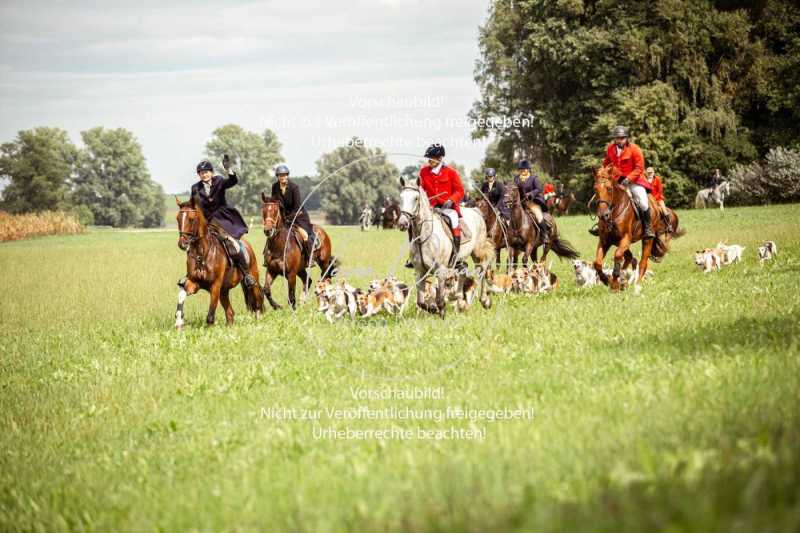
(563, 248)
(699, 203)
(253, 297)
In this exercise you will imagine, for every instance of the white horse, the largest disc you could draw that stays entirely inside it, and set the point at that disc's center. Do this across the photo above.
(431, 244)
(711, 194)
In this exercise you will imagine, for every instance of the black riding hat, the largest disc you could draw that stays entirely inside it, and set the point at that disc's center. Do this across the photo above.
(434, 150)
(524, 164)
(205, 164)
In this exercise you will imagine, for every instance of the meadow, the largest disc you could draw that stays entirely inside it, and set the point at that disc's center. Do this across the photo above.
(675, 409)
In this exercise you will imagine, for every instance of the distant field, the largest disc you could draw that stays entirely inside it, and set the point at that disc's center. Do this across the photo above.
(677, 409)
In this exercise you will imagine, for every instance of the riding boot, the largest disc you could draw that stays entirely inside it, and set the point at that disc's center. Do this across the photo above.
(454, 253)
(545, 231)
(309, 249)
(647, 228)
(595, 230)
(243, 265)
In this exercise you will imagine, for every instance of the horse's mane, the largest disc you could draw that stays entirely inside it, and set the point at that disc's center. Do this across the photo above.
(608, 172)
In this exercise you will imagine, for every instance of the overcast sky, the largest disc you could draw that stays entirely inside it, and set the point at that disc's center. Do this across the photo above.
(397, 72)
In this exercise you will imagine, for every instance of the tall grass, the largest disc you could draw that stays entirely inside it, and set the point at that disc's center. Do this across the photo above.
(24, 226)
(676, 410)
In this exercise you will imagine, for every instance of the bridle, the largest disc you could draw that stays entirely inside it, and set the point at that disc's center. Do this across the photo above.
(413, 216)
(191, 236)
(272, 220)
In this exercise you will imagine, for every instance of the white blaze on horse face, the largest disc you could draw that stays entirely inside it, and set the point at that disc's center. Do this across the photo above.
(409, 198)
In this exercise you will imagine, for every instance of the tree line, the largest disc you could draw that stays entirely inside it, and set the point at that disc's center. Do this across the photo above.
(700, 85)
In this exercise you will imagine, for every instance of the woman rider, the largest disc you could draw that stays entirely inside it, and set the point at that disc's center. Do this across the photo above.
(224, 220)
(288, 193)
(531, 191)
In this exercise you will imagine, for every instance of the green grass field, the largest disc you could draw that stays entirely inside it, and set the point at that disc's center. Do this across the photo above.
(677, 409)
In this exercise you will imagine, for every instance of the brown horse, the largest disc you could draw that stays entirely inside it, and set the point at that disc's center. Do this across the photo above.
(283, 254)
(525, 236)
(560, 206)
(619, 226)
(390, 215)
(208, 267)
(495, 227)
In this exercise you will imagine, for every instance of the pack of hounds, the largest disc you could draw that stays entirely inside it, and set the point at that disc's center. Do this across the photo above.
(389, 296)
(724, 254)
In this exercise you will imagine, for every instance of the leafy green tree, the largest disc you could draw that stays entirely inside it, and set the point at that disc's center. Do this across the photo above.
(258, 155)
(354, 175)
(112, 180)
(39, 165)
(691, 80)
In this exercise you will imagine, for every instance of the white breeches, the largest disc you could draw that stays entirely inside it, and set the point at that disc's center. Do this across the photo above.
(452, 215)
(536, 210)
(639, 195)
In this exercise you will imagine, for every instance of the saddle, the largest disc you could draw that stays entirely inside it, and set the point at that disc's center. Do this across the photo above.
(301, 236)
(466, 234)
(222, 237)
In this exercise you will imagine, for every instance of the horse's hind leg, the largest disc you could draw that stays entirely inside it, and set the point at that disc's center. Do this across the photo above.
(225, 300)
(291, 280)
(306, 280)
(213, 301)
(629, 260)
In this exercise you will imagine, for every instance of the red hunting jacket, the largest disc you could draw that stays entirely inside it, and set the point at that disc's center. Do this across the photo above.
(657, 188)
(442, 187)
(630, 163)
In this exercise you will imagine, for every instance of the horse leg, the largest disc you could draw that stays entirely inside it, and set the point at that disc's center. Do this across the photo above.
(291, 280)
(600, 256)
(187, 287)
(306, 279)
(647, 248)
(268, 279)
(441, 303)
(619, 254)
(213, 301)
(225, 300)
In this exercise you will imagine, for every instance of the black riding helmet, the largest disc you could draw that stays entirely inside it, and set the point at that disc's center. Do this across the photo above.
(435, 150)
(205, 164)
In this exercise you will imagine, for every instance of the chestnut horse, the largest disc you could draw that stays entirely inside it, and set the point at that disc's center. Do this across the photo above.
(208, 267)
(524, 235)
(283, 255)
(560, 206)
(619, 226)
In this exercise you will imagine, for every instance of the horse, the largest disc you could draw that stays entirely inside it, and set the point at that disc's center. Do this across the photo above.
(524, 234)
(431, 245)
(560, 206)
(619, 226)
(283, 253)
(389, 215)
(365, 219)
(495, 227)
(208, 267)
(713, 194)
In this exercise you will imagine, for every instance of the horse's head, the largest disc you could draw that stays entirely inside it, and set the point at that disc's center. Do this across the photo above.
(191, 223)
(409, 203)
(271, 215)
(483, 206)
(511, 197)
(604, 192)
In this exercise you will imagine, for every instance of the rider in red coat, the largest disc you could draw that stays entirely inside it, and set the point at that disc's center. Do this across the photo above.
(628, 159)
(443, 186)
(658, 195)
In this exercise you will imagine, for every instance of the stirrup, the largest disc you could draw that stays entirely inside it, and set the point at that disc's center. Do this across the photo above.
(595, 230)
